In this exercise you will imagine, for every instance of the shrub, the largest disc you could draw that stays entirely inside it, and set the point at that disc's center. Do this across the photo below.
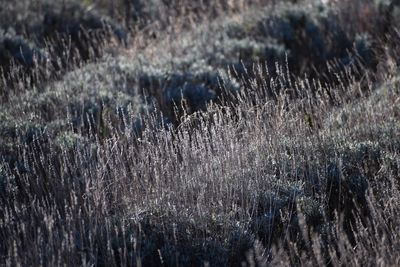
(15, 49)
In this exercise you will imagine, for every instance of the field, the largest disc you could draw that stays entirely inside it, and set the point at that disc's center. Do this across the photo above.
(199, 133)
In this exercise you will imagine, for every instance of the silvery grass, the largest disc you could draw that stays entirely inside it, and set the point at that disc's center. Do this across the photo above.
(248, 182)
(285, 171)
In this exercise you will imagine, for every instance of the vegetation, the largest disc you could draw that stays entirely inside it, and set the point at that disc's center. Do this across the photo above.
(217, 133)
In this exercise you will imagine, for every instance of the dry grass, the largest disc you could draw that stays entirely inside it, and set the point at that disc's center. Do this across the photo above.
(272, 164)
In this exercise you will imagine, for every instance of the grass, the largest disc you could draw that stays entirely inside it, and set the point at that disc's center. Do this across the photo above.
(267, 135)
